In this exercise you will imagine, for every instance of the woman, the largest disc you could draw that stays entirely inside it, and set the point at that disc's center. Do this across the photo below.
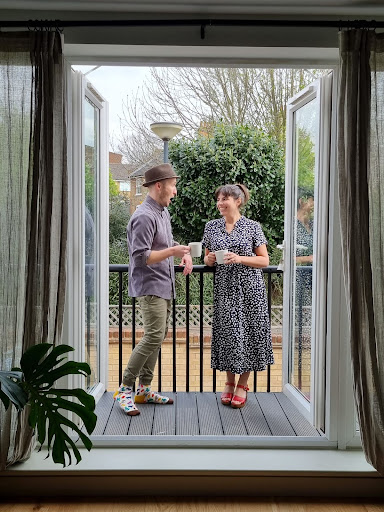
(241, 333)
(304, 254)
(304, 227)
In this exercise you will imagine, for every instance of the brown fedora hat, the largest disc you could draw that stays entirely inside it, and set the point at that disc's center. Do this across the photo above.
(159, 173)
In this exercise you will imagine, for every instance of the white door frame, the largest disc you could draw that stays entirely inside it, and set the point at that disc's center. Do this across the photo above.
(339, 416)
(321, 92)
(79, 87)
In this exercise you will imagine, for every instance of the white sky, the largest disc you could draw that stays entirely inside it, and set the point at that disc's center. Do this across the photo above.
(115, 83)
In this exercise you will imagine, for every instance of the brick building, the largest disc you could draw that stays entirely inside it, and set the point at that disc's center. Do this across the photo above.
(138, 192)
(120, 172)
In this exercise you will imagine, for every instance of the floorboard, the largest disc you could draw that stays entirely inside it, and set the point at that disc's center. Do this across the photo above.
(301, 426)
(274, 415)
(164, 422)
(142, 424)
(253, 418)
(194, 414)
(209, 416)
(103, 411)
(118, 423)
(232, 420)
(187, 423)
(228, 504)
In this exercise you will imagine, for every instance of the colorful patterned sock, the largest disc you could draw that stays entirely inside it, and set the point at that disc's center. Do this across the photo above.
(124, 397)
(144, 395)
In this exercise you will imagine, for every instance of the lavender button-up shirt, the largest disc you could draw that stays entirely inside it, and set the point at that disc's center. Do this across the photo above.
(149, 229)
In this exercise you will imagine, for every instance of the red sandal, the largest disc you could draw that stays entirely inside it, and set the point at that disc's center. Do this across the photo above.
(226, 398)
(237, 401)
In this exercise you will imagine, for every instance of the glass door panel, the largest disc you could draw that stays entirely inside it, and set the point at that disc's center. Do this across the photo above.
(91, 174)
(306, 133)
(305, 247)
(89, 231)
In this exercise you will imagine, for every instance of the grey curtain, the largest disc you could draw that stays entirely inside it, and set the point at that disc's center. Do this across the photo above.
(361, 183)
(33, 209)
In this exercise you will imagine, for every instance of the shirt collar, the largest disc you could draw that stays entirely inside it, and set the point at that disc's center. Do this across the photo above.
(154, 204)
(237, 223)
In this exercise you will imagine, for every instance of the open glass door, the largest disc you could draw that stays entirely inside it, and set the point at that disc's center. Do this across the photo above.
(90, 185)
(305, 247)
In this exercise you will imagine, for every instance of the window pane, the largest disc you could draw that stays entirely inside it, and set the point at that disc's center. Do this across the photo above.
(306, 122)
(91, 114)
(124, 186)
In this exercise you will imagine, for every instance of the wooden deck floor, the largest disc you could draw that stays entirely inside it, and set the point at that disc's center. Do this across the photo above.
(202, 414)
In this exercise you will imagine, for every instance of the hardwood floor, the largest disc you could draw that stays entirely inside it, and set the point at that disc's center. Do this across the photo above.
(198, 505)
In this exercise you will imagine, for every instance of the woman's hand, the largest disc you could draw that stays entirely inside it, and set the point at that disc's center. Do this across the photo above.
(210, 259)
(231, 257)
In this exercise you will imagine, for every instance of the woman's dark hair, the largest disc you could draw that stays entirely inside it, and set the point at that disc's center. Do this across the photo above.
(237, 190)
(303, 194)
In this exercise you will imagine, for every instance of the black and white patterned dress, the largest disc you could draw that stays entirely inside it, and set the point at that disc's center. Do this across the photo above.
(241, 332)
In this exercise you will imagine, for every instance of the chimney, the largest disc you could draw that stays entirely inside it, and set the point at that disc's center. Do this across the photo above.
(115, 158)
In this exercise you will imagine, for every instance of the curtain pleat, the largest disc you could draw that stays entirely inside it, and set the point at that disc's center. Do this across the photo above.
(361, 176)
(33, 206)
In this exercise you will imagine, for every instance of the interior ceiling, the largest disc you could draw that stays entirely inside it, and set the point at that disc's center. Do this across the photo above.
(360, 8)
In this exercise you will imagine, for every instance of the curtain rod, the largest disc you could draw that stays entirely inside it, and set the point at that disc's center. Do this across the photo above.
(205, 22)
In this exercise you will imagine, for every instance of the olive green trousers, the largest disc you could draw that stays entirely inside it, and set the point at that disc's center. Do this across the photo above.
(155, 313)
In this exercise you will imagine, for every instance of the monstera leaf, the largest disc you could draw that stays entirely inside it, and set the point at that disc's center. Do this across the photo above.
(10, 391)
(41, 366)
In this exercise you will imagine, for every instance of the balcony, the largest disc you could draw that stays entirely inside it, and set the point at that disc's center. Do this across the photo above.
(183, 372)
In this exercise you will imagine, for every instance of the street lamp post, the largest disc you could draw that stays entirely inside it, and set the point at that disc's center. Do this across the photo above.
(166, 132)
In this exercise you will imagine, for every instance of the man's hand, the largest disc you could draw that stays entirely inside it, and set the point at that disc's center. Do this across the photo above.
(179, 251)
(187, 262)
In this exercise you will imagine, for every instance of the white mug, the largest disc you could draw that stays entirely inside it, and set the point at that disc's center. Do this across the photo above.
(196, 248)
(220, 256)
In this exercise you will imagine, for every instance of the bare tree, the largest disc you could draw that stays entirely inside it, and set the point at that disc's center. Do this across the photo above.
(200, 97)
(136, 142)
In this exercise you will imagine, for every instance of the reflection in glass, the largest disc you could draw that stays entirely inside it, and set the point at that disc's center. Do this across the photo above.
(305, 136)
(91, 114)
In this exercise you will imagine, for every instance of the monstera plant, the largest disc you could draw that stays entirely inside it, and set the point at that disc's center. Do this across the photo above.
(33, 384)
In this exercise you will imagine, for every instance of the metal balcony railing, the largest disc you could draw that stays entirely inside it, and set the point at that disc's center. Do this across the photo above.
(201, 270)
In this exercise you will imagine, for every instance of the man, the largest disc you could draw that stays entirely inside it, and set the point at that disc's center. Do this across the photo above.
(152, 279)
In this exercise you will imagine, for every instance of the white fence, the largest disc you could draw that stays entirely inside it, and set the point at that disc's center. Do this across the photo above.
(194, 316)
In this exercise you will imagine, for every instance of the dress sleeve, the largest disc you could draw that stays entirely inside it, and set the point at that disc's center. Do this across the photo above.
(258, 237)
(207, 238)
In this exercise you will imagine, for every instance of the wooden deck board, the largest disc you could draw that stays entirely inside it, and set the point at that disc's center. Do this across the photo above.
(254, 418)
(119, 421)
(232, 420)
(301, 426)
(194, 414)
(103, 411)
(209, 416)
(274, 415)
(164, 422)
(187, 423)
(143, 423)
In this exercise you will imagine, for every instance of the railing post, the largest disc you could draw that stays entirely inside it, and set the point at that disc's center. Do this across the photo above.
(174, 343)
(133, 324)
(187, 334)
(201, 331)
(159, 371)
(214, 383)
(270, 323)
(254, 382)
(120, 327)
